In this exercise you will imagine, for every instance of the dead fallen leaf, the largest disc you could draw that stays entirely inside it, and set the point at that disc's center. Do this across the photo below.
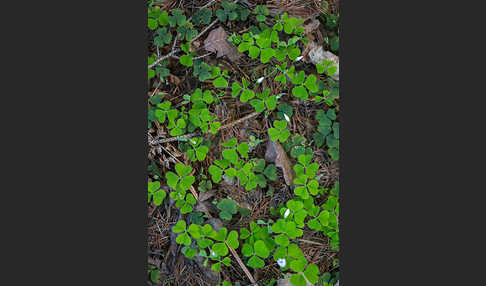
(217, 41)
(204, 196)
(276, 153)
(313, 25)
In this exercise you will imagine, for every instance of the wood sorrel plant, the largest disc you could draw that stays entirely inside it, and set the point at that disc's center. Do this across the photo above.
(208, 243)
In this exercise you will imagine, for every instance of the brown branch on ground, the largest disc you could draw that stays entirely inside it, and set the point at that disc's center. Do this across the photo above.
(229, 125)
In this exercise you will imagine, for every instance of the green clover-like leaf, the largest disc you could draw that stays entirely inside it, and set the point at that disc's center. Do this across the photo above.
(159, 197)
(220, 235)
(282, 240)
(298, 265)
(180, 226)
(243, 149)
(186, 60)
(244, 233)
(220, 82)
(261, 249)
(256, 262)
(172, 179)
(247, 250)
(312, 273)
(232, 239)
(297, 280)
(220, 249)
(216, 173)
(300, 92)
(230, 155)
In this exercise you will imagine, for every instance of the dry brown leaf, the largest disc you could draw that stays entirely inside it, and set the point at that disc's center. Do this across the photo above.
(313, 25)
(276, 153)
(217, 42)
(204, 196)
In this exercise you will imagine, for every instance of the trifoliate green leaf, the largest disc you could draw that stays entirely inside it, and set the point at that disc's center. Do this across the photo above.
(300, 92)
(172, 179)
(232, 239)
(256, 262)
(261, 249)
(220, 249)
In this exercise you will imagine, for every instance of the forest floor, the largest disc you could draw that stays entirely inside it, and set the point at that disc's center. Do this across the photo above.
(170, 136)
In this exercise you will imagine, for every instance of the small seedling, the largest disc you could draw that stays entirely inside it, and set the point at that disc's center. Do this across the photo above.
(231, 12)
(155, 193)
(187, 58)
(264, 100)
(197, 151)
(232, 165)
(186, 31)
(177, 19)
(279, 133)
(228, 208)
(163, 37)
(220, 78)
(290, 25)
(202, 70)
(305, 174)
(303, 84)
(261, 11)
(328, 132)
(202, 17)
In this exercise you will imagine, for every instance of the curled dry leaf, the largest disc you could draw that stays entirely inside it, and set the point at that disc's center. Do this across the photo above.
(316, 54)
(276, 153)
(217, 41)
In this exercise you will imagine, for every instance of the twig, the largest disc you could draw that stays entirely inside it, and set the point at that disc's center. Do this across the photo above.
(251, 115)
(205, 30)
(311, 242)
(196, 58)
(176, 138)
(163, 58)
(242, 265)
(209, 3)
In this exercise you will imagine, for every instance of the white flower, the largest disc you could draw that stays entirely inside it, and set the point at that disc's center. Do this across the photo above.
(287, 213)
(299, 58)
(287, 117)
(260, 80)
(281, 262)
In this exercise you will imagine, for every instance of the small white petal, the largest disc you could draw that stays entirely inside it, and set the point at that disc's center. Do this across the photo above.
(286, 117)
(281, 262)
(299, 58)
(260, 80)
(287, 213)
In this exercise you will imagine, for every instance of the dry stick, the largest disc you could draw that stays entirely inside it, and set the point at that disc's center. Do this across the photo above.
(311, 242)
(176, 138)
(205, 30)
(163, 58)
(242, 265)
